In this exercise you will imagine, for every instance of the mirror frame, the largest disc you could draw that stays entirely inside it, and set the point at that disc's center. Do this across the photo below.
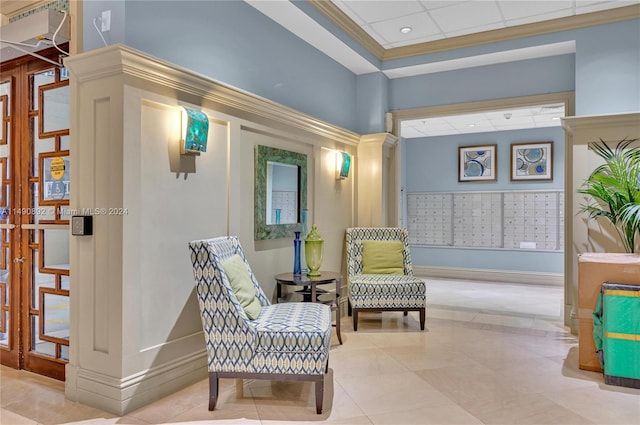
(264, 154)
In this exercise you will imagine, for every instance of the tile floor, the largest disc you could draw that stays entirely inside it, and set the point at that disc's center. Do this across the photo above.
(492, 353)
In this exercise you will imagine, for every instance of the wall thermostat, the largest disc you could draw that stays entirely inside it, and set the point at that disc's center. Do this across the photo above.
(82, 225)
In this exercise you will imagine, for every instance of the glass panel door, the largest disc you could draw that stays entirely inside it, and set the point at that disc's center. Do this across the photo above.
(34, 221)
(9, 322)
(44, 224)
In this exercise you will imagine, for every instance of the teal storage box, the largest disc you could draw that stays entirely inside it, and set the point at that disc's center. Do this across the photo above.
(620, 334)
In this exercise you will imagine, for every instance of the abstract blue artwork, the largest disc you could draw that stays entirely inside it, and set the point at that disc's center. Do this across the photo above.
(477, 163)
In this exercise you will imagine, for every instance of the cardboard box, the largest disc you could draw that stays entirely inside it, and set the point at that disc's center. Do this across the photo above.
(594, 269)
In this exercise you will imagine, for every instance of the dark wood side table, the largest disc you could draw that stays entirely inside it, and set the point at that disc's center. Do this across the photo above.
(311, 293)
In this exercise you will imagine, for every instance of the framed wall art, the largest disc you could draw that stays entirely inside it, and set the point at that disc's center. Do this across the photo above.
(532, 161)
(477, 163)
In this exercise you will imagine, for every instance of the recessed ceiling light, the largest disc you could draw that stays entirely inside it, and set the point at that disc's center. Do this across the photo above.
(555, 118)
(471, 125)
(405, 30)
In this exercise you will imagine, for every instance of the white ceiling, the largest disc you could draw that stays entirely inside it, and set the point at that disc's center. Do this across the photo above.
(508, 119)
(436, 20)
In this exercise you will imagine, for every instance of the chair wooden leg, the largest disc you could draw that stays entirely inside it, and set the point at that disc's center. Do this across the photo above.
(338, 322)
(319, 394)
(355, 319)
(423, 315)
(404, 313)
(349, 308)
(213, 390)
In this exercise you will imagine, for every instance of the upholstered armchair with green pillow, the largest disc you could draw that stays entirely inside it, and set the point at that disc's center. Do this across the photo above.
(380, 274)
(246, 336)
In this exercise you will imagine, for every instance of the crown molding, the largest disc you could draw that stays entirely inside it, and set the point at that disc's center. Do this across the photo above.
(487, 105)
(631, 120)
(346, 24)
(382, 139)
(119, 60)
(340, 19)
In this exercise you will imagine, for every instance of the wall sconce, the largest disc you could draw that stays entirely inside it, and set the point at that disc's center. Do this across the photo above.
(343, 164)
(194, 131)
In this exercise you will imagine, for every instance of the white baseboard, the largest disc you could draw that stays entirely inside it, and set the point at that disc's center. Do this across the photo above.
(510, 276)
(121, 396)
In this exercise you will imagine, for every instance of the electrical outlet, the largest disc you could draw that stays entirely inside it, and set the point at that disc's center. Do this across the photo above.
(105, 20)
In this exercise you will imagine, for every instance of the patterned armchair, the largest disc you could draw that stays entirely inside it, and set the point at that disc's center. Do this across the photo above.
(382, 292)
(287, 341)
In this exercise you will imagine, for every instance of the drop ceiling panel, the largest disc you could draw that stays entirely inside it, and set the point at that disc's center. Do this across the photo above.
(466, 15)
(522, 9)
(500, 120)
(595, 6)
(375, 11)
(421, 23)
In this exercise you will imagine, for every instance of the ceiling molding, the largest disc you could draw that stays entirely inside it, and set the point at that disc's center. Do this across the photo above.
(487, 105)
(533, 52)
(340, 19)
(567, 98)
(631, 119)
(346, 24)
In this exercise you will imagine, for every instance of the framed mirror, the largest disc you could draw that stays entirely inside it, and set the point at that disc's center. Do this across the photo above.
(280, 192)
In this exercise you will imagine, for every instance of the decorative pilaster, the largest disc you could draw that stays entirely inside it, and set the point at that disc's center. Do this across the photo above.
(377, 172)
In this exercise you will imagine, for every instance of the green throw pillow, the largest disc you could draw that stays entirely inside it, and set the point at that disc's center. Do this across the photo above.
(242, 285)
(382, 257)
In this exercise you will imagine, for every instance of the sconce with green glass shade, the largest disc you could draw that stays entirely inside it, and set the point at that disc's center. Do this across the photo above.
(313, 245)
(343, 165)
(194, 131)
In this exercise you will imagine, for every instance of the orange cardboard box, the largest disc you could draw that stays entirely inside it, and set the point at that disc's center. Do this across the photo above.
(594, 269)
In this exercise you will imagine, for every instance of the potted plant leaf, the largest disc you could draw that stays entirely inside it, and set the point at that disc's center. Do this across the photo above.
(614, 188)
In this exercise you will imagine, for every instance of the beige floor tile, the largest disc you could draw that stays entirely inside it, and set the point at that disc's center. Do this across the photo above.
(9, 418)
(364, 362)
(376, 394)
(504, 320)
(360, 420)
(542, 375)
(196, 398)
(465, 385)
(602, 404)
(449, 314)
(429, 356)
(548, 325)
(534, 409)
(495, 350)
(444, 414)
(282, 402)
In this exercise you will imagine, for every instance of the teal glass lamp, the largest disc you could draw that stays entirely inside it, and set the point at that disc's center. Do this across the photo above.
(313, 245)
(343, 165)
(194, 131)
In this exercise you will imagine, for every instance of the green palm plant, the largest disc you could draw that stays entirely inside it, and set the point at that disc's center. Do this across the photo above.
(614, 188)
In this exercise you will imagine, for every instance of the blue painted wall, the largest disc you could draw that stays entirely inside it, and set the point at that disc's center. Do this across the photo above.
(373, 100)
(431, 166)
(512, 79)
(605, 72)
(431, 162)
(234, 43)
(608, 69)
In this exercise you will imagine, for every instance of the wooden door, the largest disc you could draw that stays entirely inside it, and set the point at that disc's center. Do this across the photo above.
(34, 216)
